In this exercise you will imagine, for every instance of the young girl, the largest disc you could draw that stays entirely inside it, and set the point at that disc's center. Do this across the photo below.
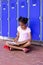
(23, 39)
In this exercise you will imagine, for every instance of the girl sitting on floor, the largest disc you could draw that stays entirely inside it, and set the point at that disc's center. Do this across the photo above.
(23, 39)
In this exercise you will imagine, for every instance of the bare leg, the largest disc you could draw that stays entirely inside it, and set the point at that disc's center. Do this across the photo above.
(26, 45)
(21, 47)
(13, 46)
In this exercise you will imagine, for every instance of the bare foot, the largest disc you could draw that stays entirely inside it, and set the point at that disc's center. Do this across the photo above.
(26, 50)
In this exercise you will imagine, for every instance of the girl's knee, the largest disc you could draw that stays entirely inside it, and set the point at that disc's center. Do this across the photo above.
(27, 44)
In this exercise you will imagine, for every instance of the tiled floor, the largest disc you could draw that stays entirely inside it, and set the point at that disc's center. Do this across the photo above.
(35, 57)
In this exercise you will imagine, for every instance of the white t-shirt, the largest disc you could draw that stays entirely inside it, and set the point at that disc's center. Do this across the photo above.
(23, 34)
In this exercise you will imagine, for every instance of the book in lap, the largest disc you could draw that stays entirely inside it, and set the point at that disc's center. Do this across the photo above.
(11, 42)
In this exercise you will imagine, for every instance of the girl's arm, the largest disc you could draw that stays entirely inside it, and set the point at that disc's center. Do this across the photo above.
(16, 39)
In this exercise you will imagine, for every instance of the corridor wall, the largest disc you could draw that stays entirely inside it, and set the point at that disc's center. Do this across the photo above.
(34, 19)
(11, 10)
(42, 20)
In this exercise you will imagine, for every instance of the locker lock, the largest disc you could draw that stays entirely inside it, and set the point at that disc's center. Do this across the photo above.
(12, 7)
(34, 5)
(22, 6)
(4, 8)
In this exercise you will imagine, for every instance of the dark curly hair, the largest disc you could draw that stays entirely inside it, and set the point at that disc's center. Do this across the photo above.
(23, 20)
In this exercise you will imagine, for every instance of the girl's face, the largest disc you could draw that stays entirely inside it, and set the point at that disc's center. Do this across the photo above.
(23, 26)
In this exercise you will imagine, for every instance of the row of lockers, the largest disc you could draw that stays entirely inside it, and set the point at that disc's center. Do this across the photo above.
(11, 10)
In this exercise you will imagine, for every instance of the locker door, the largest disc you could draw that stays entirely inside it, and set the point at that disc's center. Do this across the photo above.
(4, 18)
(42, 19)
(23, 8)
(35, 28)
(0, 26)
(13, 16)
(34, 19)
(0, 18)
(42, 29)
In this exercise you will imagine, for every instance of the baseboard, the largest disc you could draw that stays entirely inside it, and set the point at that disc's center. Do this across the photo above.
(4, 38)
(38, 43)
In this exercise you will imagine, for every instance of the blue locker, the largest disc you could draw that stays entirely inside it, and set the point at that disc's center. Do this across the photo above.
(0, 28)
(23, 8)
(42, 19)
(42, 8)
(13, 16)
(35, 28)
(0, 18)
(34, 8)
(34, 19)
(42, 30)
(4, 18)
